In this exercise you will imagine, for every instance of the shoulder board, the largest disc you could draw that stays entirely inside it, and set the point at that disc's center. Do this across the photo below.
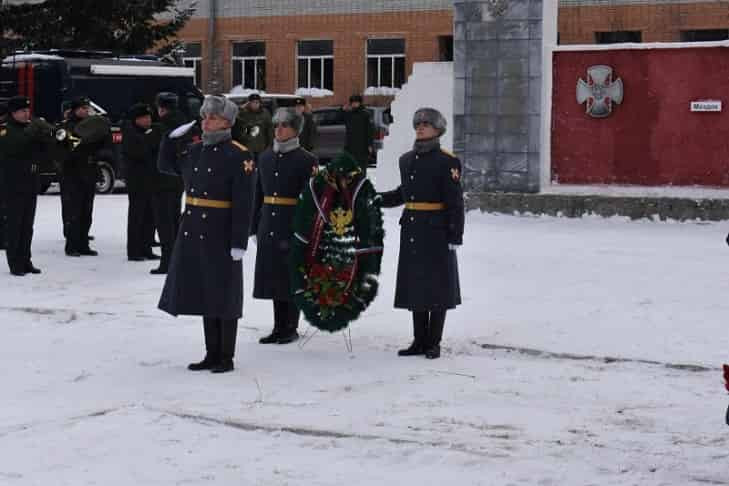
(239, 145)
(448, 153)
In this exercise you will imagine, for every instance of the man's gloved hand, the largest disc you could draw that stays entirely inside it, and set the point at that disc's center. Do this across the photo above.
(453, 247)
(237, 254)
(255, 239)
(182, 130)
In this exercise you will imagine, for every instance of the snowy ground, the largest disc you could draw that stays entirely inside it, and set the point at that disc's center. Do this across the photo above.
(95, 389)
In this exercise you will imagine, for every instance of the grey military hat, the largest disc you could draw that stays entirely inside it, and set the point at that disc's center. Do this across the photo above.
(432, 116)
(219, 105)
(291, 116)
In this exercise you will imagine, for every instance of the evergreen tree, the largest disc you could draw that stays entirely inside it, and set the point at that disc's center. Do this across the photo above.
(120, 26)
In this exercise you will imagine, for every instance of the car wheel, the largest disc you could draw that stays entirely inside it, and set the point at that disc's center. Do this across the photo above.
(105, 181)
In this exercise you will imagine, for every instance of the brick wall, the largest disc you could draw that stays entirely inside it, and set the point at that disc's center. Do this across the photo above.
(659, 22)
(420, 29)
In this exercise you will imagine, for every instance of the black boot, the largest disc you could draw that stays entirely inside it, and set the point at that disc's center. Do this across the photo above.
(435, 334)
(420, 324)
(279, 318)
(228, 336)
(164, 261)
(29, 268)
(211, 327)
(290, 333)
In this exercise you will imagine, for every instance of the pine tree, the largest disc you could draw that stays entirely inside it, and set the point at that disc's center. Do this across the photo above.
(120, 26)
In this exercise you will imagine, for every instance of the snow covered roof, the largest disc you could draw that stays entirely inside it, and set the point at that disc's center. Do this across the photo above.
(31, 57)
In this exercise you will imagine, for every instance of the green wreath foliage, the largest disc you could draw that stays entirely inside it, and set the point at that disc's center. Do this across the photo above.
(319, 289)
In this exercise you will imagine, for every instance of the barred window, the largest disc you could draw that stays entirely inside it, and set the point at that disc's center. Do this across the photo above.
(249, 65)
(385, 63)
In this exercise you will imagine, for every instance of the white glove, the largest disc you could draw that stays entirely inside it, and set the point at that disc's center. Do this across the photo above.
(237, 254)
(182, 129)
(255, 240)
(453, 247)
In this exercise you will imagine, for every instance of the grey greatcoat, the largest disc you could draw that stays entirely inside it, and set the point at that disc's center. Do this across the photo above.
(427, 271)
(203, 279)
(279, 176)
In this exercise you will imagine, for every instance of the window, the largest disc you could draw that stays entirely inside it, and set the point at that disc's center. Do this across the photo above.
(316, 65)
(445, 48)
(385, 63)
(617, 36)
(192, 58)
(327, 118)
(249, 65)
(704, 35)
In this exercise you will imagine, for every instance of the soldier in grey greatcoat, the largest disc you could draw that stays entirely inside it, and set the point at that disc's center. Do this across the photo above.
(205, 277)
(431, 230)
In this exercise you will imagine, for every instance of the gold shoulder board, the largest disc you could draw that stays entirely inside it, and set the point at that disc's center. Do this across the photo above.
(448, 152)
(239, 145)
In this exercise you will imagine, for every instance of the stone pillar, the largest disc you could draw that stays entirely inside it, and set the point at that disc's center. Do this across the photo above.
(497, 93)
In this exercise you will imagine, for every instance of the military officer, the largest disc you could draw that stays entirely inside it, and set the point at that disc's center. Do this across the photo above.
(253, 127)
(310, 132)
(283, 172)
(80, 173)
(140, 146)
(167, 199)
(360, 131)
(431, 231)
(205, 277)
(21, 146)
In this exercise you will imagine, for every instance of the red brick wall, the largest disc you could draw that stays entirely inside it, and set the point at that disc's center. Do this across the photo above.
(652, 138)
(420, 30)
(658, 22)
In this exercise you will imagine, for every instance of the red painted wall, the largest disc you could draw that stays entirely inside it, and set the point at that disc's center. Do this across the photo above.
(652, 138)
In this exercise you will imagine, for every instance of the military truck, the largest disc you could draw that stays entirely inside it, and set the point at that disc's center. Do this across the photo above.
(52, 78)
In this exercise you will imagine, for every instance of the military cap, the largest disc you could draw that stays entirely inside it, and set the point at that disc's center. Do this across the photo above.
(355, 98)
(221, 106)
(167, 100)
(138, 110)
(80, 101)
(3, 108)
(300, 102)
(254, 97)
(18, 103)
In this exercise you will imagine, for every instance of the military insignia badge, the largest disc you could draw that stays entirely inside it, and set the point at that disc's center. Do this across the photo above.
(455, 174)
(248, 166)
(3, 132)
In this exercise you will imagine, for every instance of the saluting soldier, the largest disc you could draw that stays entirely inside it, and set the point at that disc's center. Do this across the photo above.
(80, 173)
(167, 204)
(310, 131)
(21, 146)
(283, 172)
(140, 146)
(206, 276)
(253, 126)
(431, 231)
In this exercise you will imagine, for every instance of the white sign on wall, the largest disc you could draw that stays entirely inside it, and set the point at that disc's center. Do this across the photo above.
(706, 105)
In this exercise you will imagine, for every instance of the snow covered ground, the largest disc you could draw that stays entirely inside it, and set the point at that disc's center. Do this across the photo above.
(95, 390)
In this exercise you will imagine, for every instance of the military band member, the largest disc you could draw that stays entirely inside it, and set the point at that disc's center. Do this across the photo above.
(283, 172)
(310, 132)
(140, 146)
(80, 173)
(431, 231)
(21, 146)
(205, 277)
(253, 126)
